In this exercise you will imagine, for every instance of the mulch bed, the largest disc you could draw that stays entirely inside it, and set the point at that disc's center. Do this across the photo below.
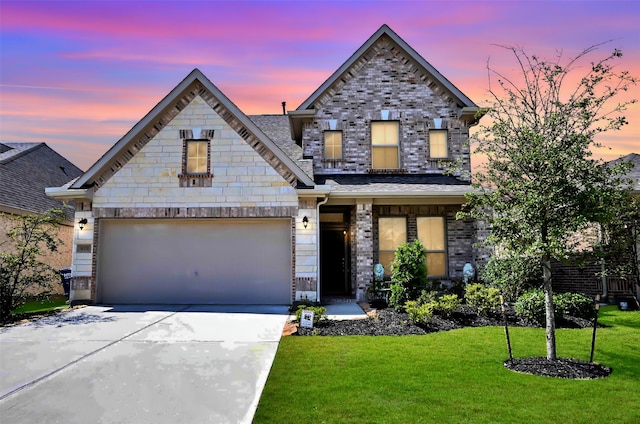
(388, 322)
(574, 369)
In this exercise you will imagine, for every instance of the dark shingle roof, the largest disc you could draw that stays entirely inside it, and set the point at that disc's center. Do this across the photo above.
(414, 184)
(634, 173)
(26, 169)
(276, 127)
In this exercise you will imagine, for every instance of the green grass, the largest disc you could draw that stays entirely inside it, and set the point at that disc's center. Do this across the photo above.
(39, 306)
(452, 377)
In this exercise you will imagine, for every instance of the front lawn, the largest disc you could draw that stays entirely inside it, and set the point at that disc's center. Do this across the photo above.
(454, 376)
(39, 306)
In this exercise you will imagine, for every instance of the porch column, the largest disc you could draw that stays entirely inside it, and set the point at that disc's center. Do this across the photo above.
(364, 247)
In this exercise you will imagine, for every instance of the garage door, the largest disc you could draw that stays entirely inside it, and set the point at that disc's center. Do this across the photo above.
(194, 261)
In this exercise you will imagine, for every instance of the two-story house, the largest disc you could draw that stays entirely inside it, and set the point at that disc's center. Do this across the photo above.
(200, 203)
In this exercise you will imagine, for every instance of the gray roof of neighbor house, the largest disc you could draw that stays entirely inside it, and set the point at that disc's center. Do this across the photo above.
(26, 169)
(634, 173)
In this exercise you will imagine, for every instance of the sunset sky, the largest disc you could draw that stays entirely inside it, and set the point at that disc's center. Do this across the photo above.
(78, 75)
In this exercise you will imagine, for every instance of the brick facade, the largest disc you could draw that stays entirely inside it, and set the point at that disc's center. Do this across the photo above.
(385, 79)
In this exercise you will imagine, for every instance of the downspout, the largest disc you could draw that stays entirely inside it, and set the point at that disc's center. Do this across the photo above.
(326, 199)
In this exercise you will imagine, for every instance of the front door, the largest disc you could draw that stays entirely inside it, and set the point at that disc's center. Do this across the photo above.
(333, 261)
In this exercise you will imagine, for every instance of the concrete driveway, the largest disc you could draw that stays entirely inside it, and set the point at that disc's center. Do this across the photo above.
(139, 364)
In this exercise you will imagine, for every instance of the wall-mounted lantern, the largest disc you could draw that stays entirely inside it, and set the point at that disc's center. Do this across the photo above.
(305, 221)
(82, 223)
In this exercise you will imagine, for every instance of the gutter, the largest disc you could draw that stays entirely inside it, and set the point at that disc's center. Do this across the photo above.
(62, 193)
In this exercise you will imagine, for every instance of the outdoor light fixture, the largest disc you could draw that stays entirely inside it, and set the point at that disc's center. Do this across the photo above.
(305, 221)
(82, 223)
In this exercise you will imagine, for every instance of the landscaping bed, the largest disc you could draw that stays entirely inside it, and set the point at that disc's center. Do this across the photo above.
(389, 322)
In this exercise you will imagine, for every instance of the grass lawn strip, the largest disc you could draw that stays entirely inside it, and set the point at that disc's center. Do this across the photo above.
(41, 306)
(452, 377)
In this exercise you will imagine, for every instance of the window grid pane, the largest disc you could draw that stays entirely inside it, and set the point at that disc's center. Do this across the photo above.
(431, 232)
(392, 232)
(436, 264)
(384, 157)
(197, 157)
(438, 144)
(385, 133)
(333, 145)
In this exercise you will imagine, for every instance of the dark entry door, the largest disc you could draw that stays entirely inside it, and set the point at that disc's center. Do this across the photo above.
(333, 262)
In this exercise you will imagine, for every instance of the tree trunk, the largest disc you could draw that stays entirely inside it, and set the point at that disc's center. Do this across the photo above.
(549, 309)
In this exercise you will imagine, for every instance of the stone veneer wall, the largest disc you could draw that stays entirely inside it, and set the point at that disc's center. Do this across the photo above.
(306, 251)
(385, 79)
(244, 185)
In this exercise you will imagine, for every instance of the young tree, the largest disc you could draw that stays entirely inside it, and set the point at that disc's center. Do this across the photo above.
(21, 269)
(540, 184)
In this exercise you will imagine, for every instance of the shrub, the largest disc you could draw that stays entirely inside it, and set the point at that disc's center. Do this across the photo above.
(419, 313)
(530, 306)
(483, 298)
(575, 304)
(421, 310)
(447, 304)
(512, 275)
(409, 270)
(319, 312)
(397, 296)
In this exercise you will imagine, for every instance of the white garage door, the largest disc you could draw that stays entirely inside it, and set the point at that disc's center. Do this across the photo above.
(168, 261)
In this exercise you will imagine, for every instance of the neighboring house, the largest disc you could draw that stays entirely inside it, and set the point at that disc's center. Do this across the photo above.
(200, 203)
(589, 277)
(26, 169)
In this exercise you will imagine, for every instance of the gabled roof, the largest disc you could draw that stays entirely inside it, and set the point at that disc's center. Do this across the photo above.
(462, 100)
(26, 169)
(634, 173)
(195, 84)
(276, 127)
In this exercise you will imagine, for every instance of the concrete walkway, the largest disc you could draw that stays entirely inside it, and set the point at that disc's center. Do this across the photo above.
(344, 311)
(149, 364)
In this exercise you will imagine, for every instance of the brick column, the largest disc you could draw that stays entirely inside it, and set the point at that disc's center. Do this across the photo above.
(364, 248)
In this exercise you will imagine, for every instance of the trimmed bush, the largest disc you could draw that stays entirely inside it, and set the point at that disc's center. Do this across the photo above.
(575, 304)
(319, 312)
(408, 271)
(397, 296)
(483, 298)
(420, 314)
(530, 306)
(447, 304)
(421, 310)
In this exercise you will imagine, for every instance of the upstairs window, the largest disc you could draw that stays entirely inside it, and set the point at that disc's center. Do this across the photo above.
(197, 157)
(333, 144)
(438, 148)
(431, 233)
(385, 137)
